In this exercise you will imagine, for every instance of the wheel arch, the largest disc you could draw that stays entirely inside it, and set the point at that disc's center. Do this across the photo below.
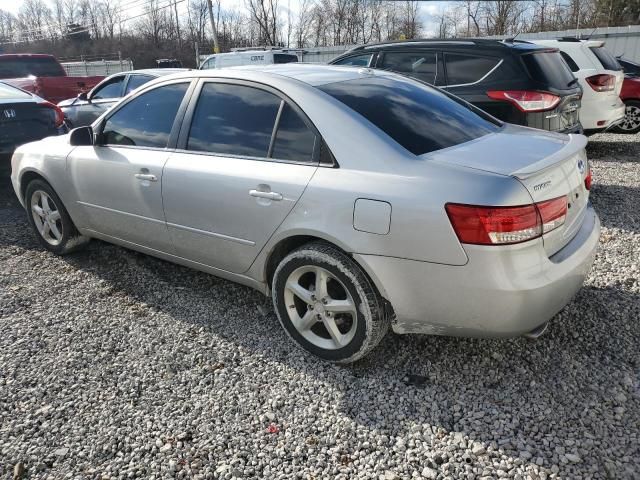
(28, 176)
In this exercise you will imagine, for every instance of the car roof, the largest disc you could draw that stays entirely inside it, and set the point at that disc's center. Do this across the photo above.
(26, 55)
(461, 43)
(309, 73)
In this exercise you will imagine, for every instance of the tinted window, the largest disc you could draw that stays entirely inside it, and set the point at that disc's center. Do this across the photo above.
(284, 58)
(573, 66)
(356, 61)
(113, 89)
(419, 65)
(462, 69)
(294, 140)
(136, 81)
(549, 68)
(629, 67)
(607, 60)
(233, 119)
(23, 67)
(9, 92)
(146, 120)
(418, 117)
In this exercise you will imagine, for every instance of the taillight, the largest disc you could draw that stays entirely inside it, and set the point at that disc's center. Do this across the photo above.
(552, 213)
(602, 83)
(526, 100)
(587, 180)
(58, 114)
(481, 225)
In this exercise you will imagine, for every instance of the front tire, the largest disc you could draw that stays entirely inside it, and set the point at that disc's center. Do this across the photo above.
(327, 304)
(50, 220)
(631, 122)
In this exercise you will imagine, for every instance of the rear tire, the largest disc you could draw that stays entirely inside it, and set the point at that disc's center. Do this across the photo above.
(327, 304)
(50, 220)
(631, 122)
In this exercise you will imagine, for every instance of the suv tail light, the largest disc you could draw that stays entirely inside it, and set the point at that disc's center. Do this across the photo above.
(58, 114)
(602, 83)
(526, 100)
(480, 225)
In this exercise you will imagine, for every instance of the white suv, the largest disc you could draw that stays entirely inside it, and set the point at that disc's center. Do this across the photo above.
(600, 76)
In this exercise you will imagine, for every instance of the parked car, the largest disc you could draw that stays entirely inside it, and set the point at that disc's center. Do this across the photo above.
(42, 75)
(88, 106)
(600, 76)
(516, 82)
(248, 57)
(168, 63)
(25, 117)
(630, 95)
(630, 67)
(361, 200)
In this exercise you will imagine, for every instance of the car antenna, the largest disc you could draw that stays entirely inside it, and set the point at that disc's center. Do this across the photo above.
(589, 36)
(512, 39)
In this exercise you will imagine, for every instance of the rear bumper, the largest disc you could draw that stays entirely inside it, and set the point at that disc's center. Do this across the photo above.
(500, 292)
(599, 115)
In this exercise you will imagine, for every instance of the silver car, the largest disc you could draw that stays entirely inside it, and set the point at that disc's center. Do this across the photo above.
(359, 200)
(88, 106)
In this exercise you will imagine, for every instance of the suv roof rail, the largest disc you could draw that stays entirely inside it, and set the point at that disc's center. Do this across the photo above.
(569, 39)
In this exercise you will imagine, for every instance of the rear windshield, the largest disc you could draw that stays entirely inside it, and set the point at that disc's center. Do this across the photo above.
(418, 117)
(23, 67)
(607, 60)
(550, 68)
(9, 92)
(284, 58)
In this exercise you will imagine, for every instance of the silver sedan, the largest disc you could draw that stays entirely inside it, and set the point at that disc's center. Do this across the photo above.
(360, 200)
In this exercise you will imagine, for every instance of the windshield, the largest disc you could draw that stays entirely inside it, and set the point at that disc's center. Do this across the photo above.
(17, 67)
(9, 92)
(420, 118)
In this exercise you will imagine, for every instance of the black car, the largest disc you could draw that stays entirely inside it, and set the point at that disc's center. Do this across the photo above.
(25, 117)
(515, 81)
(632, 69)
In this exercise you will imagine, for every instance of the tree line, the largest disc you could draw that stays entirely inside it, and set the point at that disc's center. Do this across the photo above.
(145, 30)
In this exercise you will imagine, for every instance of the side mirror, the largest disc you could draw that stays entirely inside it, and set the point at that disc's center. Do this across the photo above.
(81, 136)
(83, 96)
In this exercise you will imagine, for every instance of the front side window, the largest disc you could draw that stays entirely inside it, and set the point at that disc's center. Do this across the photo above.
(145, 121)
(420, 65)
(418, 117)
(356, 61)
(136, 81)
(112, 89)
(465, 69)
(233, 119)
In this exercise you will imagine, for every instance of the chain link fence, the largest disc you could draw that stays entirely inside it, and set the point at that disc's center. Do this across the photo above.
(97, 67)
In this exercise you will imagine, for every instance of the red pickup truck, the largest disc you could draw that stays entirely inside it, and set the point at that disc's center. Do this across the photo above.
(43, 75)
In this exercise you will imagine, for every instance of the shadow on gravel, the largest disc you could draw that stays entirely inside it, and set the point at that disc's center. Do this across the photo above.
(614, 148)
(618, 206)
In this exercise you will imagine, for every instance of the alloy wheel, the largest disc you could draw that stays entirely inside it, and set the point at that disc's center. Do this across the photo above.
(46, 217)
(632, 118)
(320, 307)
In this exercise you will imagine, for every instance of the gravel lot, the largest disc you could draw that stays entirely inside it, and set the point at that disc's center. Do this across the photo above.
(114, 364)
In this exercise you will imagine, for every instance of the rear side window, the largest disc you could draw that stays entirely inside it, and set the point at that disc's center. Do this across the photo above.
(607, 60)
(418, 117)
(549, 68)
(464, 69)
(23, 67)
(356, 61)
(145, 121)
(233, 119)
(136, 81)
(573, 66)
(284, 58)
(420, 65)
(294, 140)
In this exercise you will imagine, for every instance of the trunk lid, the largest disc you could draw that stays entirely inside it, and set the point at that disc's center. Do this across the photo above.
(548, 165)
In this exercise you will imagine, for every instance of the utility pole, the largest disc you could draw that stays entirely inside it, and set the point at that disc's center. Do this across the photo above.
(197, 55)
(175, 9)
(216, 46)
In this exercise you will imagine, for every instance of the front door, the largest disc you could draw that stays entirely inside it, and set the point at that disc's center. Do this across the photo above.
(118, 181)
(236, 176)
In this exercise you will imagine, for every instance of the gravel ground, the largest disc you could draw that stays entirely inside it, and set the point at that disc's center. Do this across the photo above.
(114, 364)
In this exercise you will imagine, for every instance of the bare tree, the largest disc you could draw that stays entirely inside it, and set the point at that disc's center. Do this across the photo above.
(265, 14)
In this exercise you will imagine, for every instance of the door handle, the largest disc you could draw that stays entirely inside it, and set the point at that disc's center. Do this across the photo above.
(269, 195)
(146, 176)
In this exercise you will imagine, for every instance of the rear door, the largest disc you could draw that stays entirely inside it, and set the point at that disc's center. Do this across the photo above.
(246, 155)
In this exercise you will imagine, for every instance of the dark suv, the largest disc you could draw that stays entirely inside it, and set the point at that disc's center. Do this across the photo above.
(515, 81)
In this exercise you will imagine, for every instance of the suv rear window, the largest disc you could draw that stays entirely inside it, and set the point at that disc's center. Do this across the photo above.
(420, 118)
(607, 60)
(23, 67)
(550, 68)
